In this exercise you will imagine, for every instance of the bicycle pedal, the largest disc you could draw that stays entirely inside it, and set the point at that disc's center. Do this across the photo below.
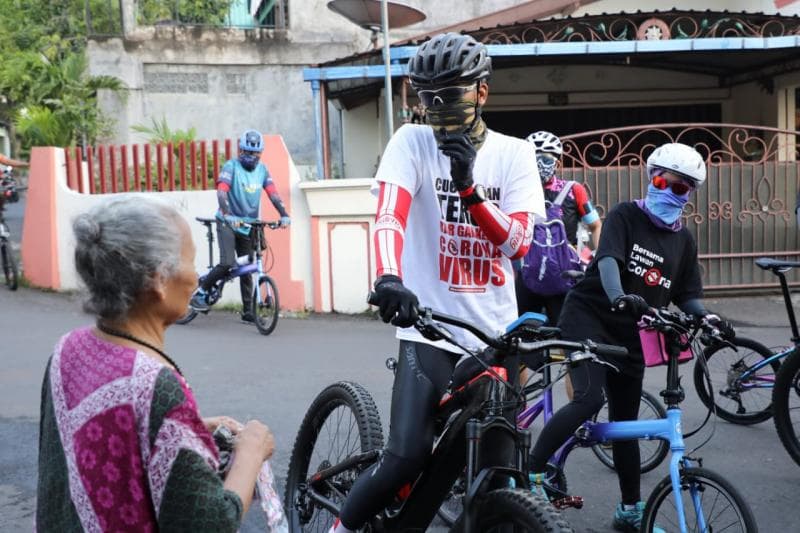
(574, 502)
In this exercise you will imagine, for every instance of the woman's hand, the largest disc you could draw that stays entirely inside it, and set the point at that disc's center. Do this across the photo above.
(212, 423)
(255, 438)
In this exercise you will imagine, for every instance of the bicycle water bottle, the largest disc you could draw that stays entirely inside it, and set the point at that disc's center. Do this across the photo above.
(243, 260)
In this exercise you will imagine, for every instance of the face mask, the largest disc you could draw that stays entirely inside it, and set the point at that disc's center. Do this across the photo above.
(547, 167)
(665, 204)
(460, 116)
(249, 161)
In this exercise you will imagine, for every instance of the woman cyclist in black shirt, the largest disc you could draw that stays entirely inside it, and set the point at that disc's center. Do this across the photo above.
(646, 258)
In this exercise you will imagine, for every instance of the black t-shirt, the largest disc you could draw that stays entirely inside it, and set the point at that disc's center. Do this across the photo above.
(659, 265)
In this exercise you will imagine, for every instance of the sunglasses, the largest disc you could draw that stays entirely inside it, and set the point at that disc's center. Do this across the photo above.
(678, 187)
(547, 159)
(443, 96)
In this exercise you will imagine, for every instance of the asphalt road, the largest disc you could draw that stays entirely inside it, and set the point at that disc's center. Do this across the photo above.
(235, 371)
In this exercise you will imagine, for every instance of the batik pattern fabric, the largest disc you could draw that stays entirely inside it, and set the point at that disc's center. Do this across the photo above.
(122, 446)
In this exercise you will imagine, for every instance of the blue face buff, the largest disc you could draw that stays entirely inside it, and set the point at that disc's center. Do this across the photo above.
(249, 161)
(665, 204)
(547, 166)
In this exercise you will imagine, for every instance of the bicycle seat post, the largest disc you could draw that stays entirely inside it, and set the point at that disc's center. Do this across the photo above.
(787, 297)
(210, 238)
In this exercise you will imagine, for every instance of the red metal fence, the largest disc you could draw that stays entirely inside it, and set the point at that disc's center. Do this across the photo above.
(182, 166)
(744, 211)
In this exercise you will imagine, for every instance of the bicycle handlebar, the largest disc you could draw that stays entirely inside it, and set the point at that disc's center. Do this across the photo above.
(257, 223)
(505, 343)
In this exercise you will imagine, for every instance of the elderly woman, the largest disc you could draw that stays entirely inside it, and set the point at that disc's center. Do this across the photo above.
(122, 446)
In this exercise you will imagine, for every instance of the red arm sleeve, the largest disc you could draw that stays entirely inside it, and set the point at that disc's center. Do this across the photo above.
(394, 203)
(512, 234)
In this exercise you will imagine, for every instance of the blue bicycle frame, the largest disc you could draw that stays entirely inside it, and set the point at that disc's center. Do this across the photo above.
(592, 433)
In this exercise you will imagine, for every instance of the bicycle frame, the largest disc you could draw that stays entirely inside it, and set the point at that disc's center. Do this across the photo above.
(238, 271)
(457, 448)
(592, 433)
(767, 382)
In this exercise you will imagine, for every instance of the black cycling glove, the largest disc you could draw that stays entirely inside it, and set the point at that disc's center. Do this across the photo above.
(462, 154)
(631, 303)
(395, 302)
(724, 327)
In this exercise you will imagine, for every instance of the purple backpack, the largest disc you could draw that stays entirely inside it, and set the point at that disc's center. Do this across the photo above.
(550, 252)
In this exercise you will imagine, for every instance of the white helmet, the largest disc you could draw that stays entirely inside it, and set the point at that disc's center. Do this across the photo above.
(679, 159)
(544, 141)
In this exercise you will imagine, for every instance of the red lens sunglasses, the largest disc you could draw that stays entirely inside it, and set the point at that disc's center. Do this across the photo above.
(678, 187)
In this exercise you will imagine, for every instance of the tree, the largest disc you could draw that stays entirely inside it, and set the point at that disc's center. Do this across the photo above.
(45, 89)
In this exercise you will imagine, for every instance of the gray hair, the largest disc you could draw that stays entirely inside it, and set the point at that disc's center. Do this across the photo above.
(121, 245)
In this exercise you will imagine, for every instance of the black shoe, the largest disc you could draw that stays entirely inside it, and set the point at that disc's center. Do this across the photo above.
(248, 317)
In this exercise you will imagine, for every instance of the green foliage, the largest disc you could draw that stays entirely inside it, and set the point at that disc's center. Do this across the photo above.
(48, 93)
(161, 133)
(201, 12)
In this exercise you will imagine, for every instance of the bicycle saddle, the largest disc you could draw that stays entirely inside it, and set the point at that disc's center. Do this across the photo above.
(767, 263)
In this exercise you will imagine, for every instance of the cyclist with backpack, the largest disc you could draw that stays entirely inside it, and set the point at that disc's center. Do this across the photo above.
(239, 187)
(454, 195)
(646, 258)
(540, 287)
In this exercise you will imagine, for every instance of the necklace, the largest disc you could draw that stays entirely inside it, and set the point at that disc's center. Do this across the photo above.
(117, 333)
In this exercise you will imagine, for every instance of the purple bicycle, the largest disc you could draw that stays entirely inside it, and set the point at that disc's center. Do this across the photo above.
(653, 452)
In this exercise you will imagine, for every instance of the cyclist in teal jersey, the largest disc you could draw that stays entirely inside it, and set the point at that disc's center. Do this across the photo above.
(239, 189)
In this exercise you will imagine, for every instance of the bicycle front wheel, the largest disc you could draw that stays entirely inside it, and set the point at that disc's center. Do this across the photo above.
(652, 452)
(708, 499)
(343, 421)
(516, 510)
(9, 266)
(266, 305)
(736, 400)
(190, 315)
(786, 402)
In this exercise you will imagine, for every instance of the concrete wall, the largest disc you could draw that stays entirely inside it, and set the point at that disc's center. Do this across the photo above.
(48, 244)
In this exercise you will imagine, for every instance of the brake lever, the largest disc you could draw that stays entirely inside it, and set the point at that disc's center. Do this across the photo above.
(430, 329)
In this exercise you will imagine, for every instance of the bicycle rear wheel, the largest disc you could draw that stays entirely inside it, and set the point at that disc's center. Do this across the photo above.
(9, 266)
(266, 305)
(734, 400)
(704, 494)
(516, 510)
(652, 452)
(786, 402)
(342, 421)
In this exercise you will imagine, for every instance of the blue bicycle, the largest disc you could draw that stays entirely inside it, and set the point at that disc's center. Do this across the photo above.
(265, 302)
(690, 498)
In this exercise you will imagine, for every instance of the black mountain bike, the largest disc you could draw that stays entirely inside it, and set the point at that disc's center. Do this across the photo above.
(341, 436)
(9, 192)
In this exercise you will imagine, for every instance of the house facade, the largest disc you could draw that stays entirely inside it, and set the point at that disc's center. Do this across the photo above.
(224, 75)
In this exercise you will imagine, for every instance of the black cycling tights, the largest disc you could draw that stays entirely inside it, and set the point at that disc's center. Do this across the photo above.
(423, 373)
(624, 394)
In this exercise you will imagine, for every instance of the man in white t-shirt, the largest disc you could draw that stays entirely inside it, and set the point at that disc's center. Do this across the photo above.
(457, 202)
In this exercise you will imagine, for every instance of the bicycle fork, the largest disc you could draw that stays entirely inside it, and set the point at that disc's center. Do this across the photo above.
(487, 460)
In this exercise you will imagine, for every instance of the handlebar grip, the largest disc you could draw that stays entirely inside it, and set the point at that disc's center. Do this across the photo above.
(610, 350)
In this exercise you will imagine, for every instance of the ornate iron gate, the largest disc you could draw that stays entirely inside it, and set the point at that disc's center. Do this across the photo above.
(746, 209)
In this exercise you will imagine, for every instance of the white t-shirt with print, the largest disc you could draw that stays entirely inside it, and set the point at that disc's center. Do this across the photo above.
(447, 260)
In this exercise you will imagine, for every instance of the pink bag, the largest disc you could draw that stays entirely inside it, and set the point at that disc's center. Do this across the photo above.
(654, 348)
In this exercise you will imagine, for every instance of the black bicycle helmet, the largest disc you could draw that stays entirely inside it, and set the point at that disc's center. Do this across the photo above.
(447, 59)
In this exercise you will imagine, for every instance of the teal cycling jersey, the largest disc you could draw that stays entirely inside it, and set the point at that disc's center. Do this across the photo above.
(244, 196)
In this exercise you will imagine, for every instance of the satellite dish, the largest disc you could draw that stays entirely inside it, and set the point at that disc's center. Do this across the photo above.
(367, 13)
